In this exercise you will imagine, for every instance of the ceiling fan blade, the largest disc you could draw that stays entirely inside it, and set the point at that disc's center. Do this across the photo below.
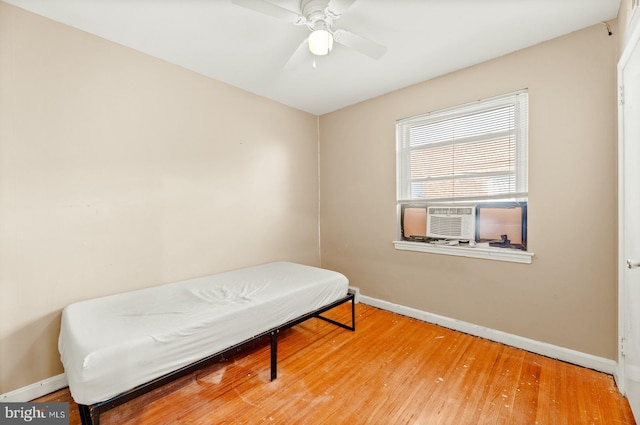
(361, 44)
(338, 7)
(270, 9)
(298, 56)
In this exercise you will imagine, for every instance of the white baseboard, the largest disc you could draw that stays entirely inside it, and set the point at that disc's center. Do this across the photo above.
(600, 364)
(38, 389)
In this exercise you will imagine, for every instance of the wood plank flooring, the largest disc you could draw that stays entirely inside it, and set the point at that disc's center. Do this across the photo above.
(392, 370)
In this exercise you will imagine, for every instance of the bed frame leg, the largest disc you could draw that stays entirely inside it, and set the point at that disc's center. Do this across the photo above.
(88, 416)
(353, 314)
(274, 354)
(351, 327)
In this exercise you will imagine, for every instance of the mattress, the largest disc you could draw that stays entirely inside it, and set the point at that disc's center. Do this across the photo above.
(112, 344)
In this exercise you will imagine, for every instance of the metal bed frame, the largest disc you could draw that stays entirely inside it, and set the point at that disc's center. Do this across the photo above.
(90, 414)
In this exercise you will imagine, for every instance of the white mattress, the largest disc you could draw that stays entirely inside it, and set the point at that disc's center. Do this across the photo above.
(112, 344)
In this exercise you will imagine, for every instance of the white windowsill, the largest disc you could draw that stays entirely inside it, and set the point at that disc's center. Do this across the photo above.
(488, 253)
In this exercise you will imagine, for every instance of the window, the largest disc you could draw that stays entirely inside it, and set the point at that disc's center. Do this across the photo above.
(474, 154)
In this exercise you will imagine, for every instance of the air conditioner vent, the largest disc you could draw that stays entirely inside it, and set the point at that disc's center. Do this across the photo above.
(451, 222)
(451, 226)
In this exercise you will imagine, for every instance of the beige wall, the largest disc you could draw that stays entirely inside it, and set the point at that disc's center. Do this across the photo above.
(567, 296)
(120, 171)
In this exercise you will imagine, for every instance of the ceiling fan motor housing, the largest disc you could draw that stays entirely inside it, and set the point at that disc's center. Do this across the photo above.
(317, 13)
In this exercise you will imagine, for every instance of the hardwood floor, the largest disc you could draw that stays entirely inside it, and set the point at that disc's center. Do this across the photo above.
(392, 370)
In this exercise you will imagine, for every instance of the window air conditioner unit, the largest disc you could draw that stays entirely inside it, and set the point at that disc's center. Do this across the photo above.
(451, 222)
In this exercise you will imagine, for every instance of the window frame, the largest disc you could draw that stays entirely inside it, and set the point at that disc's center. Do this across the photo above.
(516, 192)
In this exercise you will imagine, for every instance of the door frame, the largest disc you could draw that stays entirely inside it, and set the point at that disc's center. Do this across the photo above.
(631, 42)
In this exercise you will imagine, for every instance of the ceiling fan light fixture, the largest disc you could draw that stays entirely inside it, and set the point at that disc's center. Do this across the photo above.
(320, 42)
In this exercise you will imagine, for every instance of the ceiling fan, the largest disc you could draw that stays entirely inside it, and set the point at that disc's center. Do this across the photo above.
(318, 16)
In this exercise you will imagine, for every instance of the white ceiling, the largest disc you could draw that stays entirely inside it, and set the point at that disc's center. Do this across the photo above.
(424, 39)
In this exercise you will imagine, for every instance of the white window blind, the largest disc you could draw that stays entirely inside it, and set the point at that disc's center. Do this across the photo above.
(472, 152)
